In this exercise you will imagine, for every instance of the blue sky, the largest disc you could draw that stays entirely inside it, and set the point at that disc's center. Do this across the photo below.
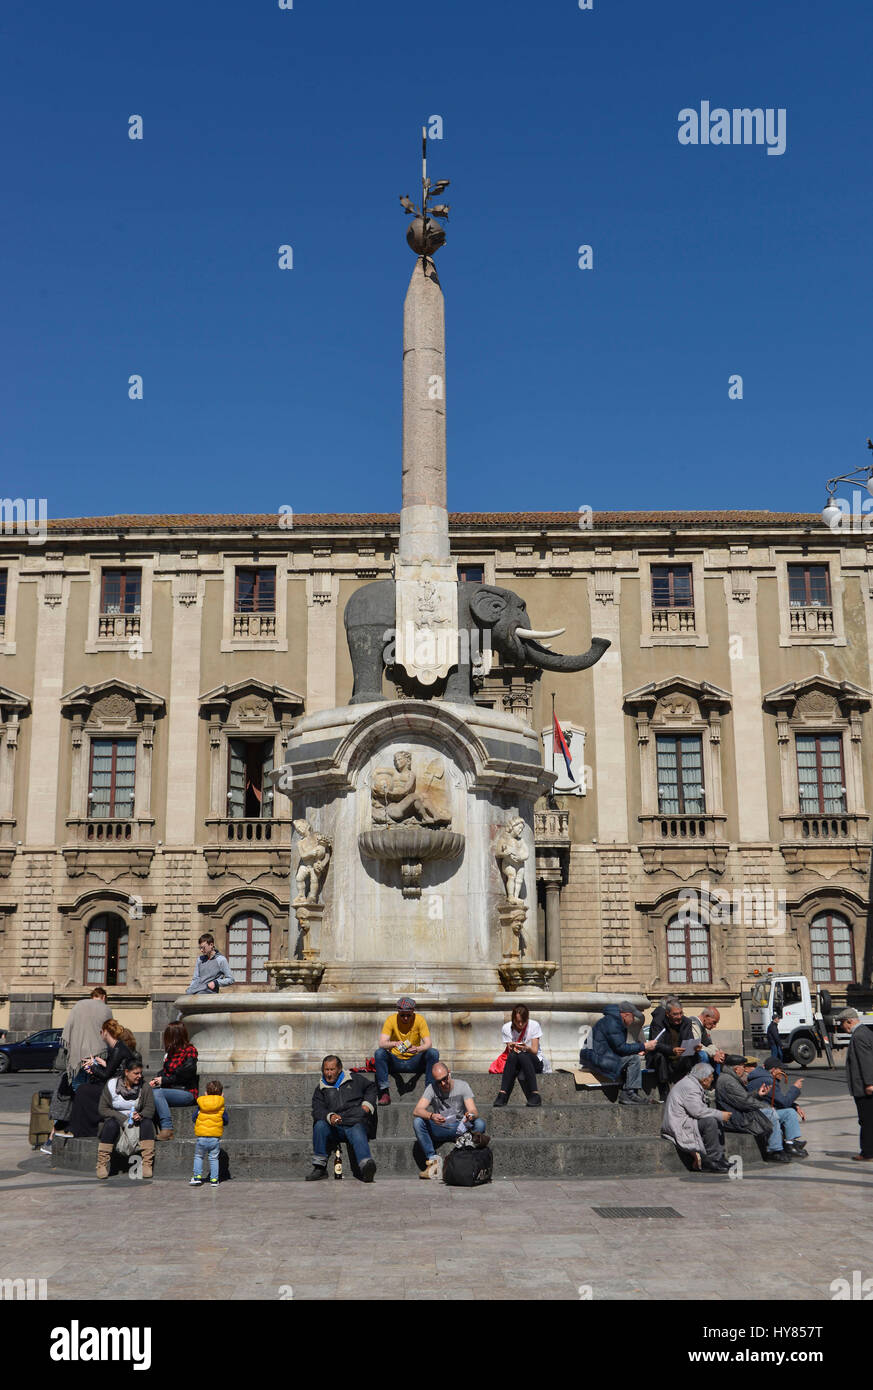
(565, 387)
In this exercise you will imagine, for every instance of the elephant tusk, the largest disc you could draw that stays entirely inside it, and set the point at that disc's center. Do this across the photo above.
(531, 632)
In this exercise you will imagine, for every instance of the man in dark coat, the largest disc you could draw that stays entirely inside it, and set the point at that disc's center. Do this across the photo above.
(751, 1113)
(343, 1111)
(859, 1075)
(670, 1030)
(610, 1052)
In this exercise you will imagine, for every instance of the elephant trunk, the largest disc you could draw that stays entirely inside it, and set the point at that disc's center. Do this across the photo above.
(554, 661)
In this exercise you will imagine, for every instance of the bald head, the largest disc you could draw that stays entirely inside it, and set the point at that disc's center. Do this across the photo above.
(710, 1018)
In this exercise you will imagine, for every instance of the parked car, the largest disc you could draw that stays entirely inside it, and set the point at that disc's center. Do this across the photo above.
(36, 1053)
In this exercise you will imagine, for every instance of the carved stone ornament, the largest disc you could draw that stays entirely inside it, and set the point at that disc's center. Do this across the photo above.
(400, 796)
(315, 850)
(115, 707)
(511, 853)
(815, 702)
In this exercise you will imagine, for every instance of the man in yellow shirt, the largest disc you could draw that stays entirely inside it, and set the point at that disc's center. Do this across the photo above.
(404, 1047)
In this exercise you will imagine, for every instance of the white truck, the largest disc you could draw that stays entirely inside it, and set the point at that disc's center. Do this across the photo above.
(807, 1027)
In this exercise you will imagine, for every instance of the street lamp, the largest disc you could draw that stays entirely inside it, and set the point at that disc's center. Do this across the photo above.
(832, 513)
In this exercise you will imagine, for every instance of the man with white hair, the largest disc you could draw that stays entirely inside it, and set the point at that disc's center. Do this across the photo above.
(691, 1124)
(859, 1075)
(702, 1026)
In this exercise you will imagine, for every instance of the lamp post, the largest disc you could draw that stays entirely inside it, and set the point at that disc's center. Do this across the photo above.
(832, 513)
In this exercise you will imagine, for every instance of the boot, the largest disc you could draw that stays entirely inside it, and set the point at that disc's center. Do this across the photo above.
(147, 1151)
(104, 1154)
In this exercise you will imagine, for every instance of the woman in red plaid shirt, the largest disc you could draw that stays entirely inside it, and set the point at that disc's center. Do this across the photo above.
(177, 1083)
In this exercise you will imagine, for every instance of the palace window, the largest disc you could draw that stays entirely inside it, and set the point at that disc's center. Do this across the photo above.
(106, 941)
(248, 948)
(4, 575)
(672, 586)
(255, 591)
(120, 591)
(830, 940)
(680, 774)
(249, 795)
(471, 574)
(820, 776)
(112, 778)
(809, 586)
(688, 958)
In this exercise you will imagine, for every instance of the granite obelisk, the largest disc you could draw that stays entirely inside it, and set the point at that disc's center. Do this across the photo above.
(426, 641)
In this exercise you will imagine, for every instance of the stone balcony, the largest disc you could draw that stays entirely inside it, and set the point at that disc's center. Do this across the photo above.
(252, 626)
(673, 620)
(683, 844)
(826, 843)
(7, 845)
(810, 621)
(109, 846)
(117, 627)
(552, 828)
(248, 847)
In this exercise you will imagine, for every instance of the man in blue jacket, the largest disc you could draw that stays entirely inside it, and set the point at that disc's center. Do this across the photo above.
(784, 1095)
(611, 1052)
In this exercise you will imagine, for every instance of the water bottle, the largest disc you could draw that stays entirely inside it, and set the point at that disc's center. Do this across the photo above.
(130, 1119)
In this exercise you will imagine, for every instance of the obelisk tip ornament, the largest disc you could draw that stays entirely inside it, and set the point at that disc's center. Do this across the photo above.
(426, 637)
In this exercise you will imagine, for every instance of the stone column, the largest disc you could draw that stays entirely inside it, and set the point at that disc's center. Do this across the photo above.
(611, 772)
(183, 709)
(322, 591)
(48, 682)
(748, 720)
(553, 931)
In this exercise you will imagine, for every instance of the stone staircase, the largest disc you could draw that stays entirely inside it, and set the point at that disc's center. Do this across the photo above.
(578, 1132)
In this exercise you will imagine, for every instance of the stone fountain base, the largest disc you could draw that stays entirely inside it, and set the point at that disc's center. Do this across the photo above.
(291, 1031)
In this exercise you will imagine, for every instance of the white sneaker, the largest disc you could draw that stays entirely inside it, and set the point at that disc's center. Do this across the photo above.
(46, 1148)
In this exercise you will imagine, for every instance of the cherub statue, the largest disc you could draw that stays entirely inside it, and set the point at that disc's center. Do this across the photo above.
(511, 853)
(315, 850)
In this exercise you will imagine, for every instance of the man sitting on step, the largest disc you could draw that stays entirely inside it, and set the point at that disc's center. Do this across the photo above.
(691, 1124)
(404, 1049)
(752, 1112)
(611, 1054)
(446, 1109)
(343, 1107)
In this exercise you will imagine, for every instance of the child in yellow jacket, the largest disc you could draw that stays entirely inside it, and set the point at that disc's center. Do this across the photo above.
(208, 1128)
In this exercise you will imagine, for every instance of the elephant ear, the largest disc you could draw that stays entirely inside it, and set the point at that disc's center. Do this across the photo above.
(487, 605)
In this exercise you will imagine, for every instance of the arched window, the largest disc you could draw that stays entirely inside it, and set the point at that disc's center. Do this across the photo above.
(248, 948)
(106, 950)
(830, 940)
(688, 960)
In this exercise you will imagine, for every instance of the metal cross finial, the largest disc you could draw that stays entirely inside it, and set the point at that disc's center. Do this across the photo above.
(424, 235)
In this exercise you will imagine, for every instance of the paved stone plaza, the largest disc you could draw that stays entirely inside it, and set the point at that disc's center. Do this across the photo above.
(783, 1233)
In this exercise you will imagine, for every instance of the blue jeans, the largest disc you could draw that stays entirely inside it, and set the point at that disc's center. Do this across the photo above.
(201, 1149)
(776, 1052)
(430, 1135)
(326, 1136)
(389, 1065)
(164, 1098)
(789, 1119)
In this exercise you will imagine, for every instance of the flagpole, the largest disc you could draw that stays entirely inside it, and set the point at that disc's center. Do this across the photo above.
(553, 732)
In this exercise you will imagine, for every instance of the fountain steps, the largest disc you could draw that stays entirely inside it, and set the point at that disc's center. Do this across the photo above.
(575, 1133)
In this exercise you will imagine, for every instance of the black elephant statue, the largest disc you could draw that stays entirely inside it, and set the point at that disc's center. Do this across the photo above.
(487, 615)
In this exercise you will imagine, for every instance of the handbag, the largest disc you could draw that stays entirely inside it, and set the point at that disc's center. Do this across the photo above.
(61, 1107)
(127, 1142)
(499, 1062)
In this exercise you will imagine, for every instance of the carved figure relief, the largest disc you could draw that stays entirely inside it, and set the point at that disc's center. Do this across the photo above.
(114, 707)
(512, 853)
(397, 797)
(315, 850)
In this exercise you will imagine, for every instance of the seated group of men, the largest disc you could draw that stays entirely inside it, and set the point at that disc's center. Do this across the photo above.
(749, 1098)
(344, 1102)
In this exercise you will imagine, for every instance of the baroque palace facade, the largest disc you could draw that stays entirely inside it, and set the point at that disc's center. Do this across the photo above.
(151, 669)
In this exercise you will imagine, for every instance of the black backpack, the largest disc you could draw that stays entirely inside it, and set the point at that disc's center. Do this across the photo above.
(466, 1167)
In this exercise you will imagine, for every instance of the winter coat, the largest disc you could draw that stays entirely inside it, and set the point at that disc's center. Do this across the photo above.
(82, 1032)
(746, 1116)
(210, 1117)
(859, 1059)
(117, 1055)
(684, 1106)
(114, 1107)
(608, 1045)
(179, 1071)
(784, 1097)
(348, 1100)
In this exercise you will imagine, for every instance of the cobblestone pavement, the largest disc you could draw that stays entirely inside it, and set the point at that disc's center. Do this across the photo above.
(776, 1233)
